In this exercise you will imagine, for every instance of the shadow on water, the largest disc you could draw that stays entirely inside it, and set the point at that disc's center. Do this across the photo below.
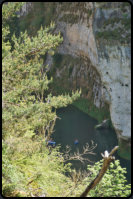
(74, 124)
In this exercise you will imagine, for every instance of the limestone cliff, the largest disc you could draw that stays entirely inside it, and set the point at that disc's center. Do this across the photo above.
(95, 53)
(101, 33)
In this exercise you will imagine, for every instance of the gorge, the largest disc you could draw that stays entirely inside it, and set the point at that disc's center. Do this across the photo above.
(66, 99)
(94, 56)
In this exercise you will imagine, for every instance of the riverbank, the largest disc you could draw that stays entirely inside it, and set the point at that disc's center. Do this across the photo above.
(89, 108)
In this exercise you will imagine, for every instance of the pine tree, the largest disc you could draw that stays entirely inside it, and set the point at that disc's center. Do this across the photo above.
(27, 105)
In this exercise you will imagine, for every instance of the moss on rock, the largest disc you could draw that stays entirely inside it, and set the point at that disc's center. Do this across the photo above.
(88, 107)
(124, 150)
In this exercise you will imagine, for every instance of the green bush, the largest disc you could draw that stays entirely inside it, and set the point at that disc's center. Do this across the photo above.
(113, 183)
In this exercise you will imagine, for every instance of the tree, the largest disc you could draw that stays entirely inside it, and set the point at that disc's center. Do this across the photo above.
(103, 179)
(27, 105)
(107, 159)
(113, 184)
(25, 81)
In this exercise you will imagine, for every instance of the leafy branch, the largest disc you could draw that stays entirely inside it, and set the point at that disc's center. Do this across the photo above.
(107, 160)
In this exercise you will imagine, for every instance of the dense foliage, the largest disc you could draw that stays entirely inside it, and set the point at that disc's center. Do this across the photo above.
(29, 115)
(113, 183)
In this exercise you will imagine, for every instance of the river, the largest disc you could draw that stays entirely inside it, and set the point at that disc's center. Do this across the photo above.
(74, 124)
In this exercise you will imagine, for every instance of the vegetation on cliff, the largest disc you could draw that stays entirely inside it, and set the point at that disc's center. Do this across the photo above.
(117, 26)
(28, 118)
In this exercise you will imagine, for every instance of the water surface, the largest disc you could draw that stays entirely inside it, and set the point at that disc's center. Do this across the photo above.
(74, 124)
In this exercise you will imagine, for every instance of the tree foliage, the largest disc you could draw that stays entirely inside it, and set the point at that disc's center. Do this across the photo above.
(25, 81)
(28, 110)
(113, 184)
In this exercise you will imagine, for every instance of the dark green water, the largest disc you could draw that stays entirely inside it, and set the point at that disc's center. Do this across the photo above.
(75, 124)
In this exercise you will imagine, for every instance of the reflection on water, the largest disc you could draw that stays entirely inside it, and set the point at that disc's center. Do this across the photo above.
(75, 124)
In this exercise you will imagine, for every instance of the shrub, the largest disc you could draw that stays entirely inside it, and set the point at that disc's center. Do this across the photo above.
(113, 183)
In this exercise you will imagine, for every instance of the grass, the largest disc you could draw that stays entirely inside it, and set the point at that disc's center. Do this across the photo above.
(89, 108)
(124, 150)
(124, 154)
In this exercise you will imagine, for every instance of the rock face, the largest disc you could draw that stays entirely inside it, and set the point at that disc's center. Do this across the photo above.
(116, 76)
(101, 38)
(114, 65)
(95, 55)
